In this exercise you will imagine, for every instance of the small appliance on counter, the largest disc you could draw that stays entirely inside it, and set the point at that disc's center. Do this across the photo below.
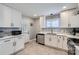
(40, 38)
(16, 32)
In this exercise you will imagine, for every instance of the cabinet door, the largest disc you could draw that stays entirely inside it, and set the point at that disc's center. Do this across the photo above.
(65, 16)
(64, 19)
(25, 37)
(54, 42)
(65, 46)
(48, 40)
(7, 16)
(19, 43)
(6, 47)
(16, 18)
(1, 15)
(42, 22)
(60, 41)
(74, 21)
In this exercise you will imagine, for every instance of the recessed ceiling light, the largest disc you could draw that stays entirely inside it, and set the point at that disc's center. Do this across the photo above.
(35, 15)
(64, 7)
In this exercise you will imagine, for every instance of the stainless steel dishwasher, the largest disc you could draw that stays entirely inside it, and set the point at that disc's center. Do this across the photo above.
(40, 38)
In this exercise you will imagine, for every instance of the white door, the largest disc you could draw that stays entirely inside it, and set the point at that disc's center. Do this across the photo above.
(19, 43)
(6, 47)
(54, 40)
(65, 46)
(60, 41)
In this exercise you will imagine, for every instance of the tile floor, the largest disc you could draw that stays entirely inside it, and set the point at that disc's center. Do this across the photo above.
(33, 48)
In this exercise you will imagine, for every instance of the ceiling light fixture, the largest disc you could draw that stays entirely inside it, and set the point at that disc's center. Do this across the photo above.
(35, 15)
(64, 7)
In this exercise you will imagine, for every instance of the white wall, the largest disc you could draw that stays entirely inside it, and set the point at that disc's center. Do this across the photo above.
(26, 27)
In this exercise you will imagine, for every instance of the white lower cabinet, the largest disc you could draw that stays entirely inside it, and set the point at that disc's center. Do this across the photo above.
(48, 40)
(19, 43)
(51, 40)
(57, 41)
(60, 41)
(6, 46)
(26, 37)
(54, 41)
(65, 46)
(11, 45)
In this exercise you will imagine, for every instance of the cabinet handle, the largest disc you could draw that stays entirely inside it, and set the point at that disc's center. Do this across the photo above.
(7, 41)
(69, 25)
(14, 43)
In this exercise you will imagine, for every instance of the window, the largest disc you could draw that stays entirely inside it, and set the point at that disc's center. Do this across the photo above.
(53, 22)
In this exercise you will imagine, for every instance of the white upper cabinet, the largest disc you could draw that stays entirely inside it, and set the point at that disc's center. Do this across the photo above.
(67, 18)
(16, 18)
(74, 21)
(9, 17)
(6, 16)
(1, 15)
(42, 22)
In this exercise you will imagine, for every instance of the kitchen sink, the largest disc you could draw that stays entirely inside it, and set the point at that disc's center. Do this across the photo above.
(52, 33)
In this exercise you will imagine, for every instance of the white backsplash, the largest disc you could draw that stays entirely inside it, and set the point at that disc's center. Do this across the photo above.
(63, 30)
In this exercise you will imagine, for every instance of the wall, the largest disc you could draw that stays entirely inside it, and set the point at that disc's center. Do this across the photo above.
(28, 26)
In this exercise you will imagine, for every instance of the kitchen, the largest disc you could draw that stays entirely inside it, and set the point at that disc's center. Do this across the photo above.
(39, 29)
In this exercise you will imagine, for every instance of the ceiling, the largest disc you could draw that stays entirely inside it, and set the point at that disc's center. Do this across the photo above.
(38, 9)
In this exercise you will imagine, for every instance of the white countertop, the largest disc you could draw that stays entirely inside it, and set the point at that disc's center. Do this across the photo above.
(63, 34)
(6, 37)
